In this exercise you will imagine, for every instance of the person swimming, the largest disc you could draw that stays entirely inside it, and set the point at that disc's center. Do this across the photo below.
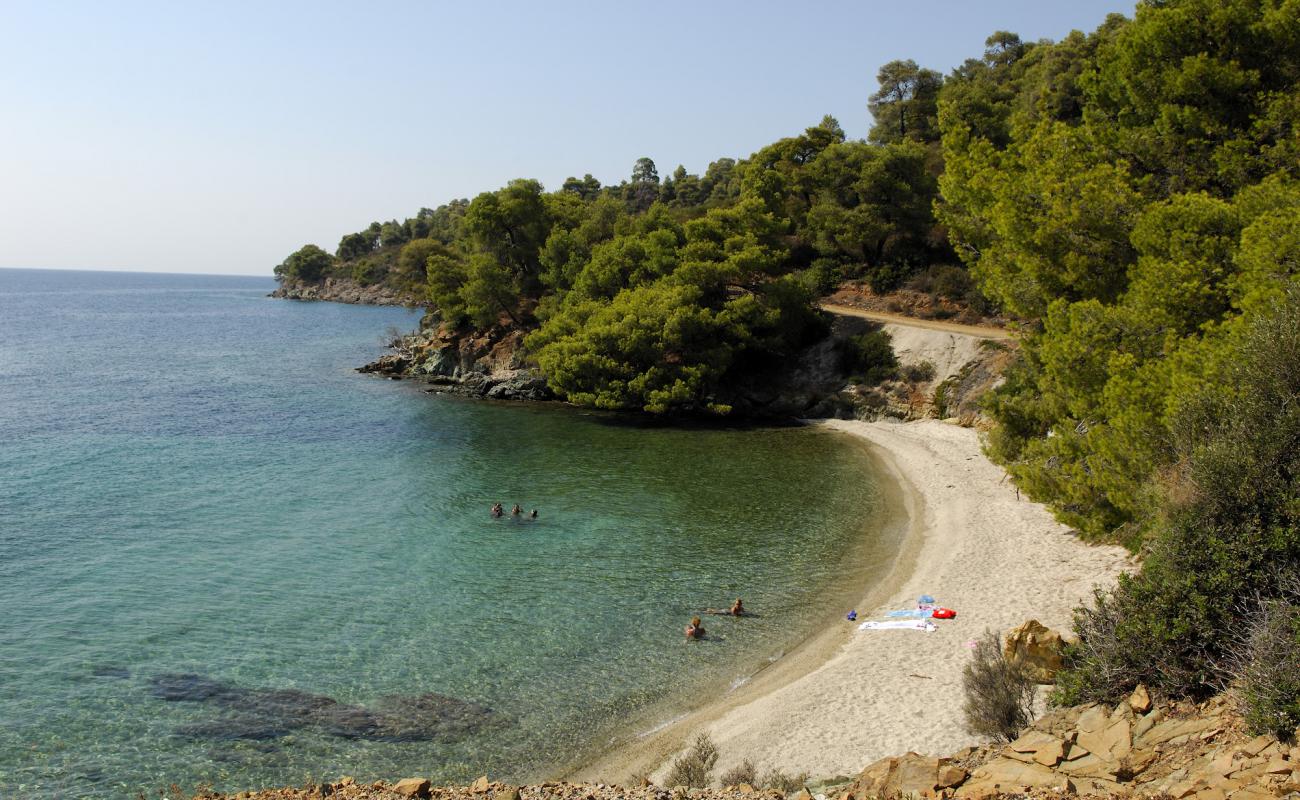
(695, 630)
(516, 511)
(737, 608)
(498, 511)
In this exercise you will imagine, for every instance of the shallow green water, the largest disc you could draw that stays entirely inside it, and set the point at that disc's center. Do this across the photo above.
(202, 505)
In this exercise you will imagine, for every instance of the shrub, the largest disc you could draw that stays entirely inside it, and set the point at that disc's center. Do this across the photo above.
(694, 770)
(744, 772)
(943, 396)
(1264, 662)
(783, 783)
(822, 276)
(918, 373)
(885, 278)
(869, 357)
(999, 695)
(951, 282)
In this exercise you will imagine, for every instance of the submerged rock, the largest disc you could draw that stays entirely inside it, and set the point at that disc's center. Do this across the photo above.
(259, 714)
(107, 671)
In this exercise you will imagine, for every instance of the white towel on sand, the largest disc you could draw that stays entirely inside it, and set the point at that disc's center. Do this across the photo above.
(899, 624)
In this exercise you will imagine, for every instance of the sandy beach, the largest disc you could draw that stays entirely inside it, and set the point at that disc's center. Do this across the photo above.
(846, 697)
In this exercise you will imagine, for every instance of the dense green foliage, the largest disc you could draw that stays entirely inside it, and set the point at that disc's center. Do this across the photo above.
(1134, 192)
(1228, 534)
(308, 263)
(670, 295)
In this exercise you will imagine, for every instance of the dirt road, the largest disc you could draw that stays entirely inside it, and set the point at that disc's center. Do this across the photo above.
(915, 322)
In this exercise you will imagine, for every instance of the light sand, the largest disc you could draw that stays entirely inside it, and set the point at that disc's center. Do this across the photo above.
(846, 697)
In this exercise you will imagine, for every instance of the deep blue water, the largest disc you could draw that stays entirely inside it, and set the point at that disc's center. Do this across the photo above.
(227, 558)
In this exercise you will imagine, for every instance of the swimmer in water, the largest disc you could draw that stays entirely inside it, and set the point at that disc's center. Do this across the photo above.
(737, 608)
(532, 514)
(695, 630)
(516, 511)
(497, 511)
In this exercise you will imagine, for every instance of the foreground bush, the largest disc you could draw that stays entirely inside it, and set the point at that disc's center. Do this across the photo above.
(999, 695)
(783, 783)
(694, 770)
(744, 772)
(1264, 662)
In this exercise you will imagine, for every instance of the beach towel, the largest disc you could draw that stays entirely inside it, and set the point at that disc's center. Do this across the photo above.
(911, 613)
(899, 625)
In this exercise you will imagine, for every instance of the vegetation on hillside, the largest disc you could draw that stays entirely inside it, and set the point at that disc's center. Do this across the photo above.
(1133, 192)
(666, 295)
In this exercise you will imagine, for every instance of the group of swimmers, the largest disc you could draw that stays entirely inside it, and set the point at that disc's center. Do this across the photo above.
(695, 630)
(498, 511)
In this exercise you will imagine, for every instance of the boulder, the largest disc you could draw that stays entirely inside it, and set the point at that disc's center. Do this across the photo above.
(906, 775)
(1037, 649)
(1140, 700)
(480, 785)
(412, 787)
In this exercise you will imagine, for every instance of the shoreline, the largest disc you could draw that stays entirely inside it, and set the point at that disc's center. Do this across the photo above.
(641, 735)
(844, 698)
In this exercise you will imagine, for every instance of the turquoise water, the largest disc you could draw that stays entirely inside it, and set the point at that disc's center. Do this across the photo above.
(228, 559)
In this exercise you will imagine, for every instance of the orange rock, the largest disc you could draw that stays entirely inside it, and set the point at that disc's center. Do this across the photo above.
(1140, 700)
(412, 787)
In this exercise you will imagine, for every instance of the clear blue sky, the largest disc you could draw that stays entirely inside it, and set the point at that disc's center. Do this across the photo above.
(219, 136)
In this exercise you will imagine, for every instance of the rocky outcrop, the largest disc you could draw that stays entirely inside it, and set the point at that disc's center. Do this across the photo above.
(912, 774)
(488, 364)
(809, 384)
(1136, 749)
(341, 290)
(1037, 649)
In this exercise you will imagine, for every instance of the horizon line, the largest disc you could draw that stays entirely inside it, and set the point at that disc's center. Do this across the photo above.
(132, 271)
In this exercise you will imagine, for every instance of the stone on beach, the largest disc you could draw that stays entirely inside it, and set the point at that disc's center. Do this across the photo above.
(1038, 650)
(412, 787)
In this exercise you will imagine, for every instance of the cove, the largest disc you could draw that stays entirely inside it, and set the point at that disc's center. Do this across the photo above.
(227, 558)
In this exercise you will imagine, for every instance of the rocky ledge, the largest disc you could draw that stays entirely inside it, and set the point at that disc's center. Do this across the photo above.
(486, 364)
(340, 290)
(1136, 749)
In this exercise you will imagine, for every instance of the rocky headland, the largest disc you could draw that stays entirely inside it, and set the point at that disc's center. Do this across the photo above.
(342, 290)
(942, 373)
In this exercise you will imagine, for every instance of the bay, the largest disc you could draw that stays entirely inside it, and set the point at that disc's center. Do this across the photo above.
(226, 558)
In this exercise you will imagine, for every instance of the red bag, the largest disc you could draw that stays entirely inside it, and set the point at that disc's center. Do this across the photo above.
(943, 613)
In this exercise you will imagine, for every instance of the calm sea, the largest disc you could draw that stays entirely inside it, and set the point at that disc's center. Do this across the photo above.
(228, 559)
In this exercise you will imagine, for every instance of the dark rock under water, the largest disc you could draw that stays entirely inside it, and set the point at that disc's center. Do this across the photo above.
(257, 714)
(110, 671)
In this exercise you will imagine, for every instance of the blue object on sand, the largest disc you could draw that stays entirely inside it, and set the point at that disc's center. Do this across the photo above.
(852, 615)
(925, 598)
